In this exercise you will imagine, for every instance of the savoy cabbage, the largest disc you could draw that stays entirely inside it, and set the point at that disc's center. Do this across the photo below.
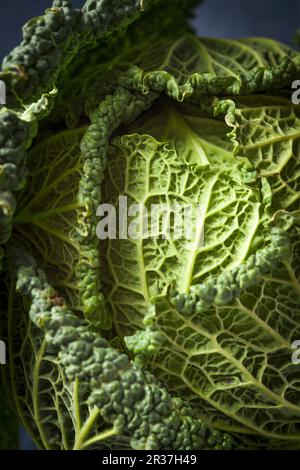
(149, 343)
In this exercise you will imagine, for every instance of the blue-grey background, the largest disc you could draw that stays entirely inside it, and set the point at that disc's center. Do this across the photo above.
(277, 19)
(220, 18)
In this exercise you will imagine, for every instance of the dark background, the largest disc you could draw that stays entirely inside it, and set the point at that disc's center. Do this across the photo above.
(276, 19)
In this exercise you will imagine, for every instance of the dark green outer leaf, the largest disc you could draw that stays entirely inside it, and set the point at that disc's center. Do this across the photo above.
(51, 42)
